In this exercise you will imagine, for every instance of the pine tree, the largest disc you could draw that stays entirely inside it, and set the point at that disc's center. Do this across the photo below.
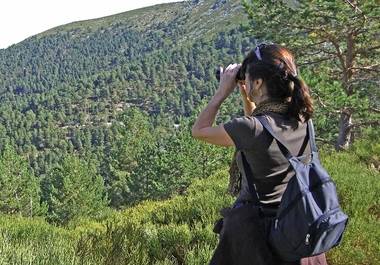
(19, 187)
(76, 190)
(340, 38)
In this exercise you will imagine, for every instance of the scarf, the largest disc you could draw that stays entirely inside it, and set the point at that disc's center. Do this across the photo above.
(270, 105)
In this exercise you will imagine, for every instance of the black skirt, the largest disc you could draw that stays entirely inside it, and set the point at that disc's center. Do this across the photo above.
(242, 240)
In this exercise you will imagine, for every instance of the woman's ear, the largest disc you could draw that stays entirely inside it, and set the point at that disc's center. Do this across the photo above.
(258, 83)
(256, 87)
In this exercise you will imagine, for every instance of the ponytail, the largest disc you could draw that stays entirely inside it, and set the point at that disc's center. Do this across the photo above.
(276, 66)
(301, 103)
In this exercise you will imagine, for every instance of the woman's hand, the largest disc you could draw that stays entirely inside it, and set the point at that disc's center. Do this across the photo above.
(228, 80)
(249, 105)
(243, 91)
(202, 128)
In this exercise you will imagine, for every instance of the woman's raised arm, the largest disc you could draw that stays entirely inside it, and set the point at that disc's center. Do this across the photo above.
(202, 128)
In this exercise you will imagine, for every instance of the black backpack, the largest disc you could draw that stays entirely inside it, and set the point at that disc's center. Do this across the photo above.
(309, 220)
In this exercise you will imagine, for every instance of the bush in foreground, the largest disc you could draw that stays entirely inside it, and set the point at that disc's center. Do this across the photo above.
(179, 230)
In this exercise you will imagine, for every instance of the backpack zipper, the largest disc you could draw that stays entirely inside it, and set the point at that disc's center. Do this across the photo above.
(307, 240)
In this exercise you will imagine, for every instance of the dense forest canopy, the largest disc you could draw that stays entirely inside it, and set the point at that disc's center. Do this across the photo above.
(118, 94)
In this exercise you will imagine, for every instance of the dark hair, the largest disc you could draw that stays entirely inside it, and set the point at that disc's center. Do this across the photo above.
(275, 65)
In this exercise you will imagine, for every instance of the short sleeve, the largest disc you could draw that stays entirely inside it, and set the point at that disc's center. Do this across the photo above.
(242, 131)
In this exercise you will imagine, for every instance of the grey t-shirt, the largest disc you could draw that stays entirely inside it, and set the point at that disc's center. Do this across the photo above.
(270, 169)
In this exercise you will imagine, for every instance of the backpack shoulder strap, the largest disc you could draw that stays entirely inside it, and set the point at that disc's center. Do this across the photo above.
(311, 132)
(249, 177)
(285, 151)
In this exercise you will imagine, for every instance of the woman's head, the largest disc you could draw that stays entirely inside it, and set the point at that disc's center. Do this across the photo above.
(273, 67)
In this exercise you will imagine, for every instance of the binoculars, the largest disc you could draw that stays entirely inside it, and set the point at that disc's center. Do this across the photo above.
(240, 75)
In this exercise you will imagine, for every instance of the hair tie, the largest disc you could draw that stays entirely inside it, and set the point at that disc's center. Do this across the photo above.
(257, 53)
(292, 77)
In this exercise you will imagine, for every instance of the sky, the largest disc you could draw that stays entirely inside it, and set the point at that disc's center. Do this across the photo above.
(20, 19)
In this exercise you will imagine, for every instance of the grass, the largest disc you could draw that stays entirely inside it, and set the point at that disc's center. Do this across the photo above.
(179, 230)
(359, 189)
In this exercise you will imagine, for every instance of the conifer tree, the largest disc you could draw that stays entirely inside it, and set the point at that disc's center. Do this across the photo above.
(19, 187)
(337, 37)
(76, 190)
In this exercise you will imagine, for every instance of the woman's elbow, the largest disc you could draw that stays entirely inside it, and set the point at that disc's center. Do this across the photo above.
(198, 133)
(195, 132)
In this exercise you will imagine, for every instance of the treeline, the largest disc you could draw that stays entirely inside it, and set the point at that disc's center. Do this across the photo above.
(144, 162)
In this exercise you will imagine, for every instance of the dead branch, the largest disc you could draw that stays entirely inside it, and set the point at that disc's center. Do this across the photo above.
(367, 68)
(329, 52)
(374, 110)
(324, 105)
(323, 140)
(316, 61)
(365, 51)
(364, 123)
(366, 79)
(320, 101)
(316, 43)
(339, 53)
(356, 8)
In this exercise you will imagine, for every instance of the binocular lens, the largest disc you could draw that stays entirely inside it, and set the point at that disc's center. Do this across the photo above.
(240, 76)
(217, 74)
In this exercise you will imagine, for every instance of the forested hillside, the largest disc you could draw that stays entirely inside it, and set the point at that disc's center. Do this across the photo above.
(118, 92)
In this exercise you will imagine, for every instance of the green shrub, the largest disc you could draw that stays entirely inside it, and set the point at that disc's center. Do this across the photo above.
(179, 230)
(359, 190)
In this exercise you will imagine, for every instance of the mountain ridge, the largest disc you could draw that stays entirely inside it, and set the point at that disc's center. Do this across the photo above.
(135, 16)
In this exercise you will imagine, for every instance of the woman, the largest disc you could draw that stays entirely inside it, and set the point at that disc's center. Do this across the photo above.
(272, 88)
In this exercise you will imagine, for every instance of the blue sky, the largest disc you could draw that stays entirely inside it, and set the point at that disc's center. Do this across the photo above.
(20, 19)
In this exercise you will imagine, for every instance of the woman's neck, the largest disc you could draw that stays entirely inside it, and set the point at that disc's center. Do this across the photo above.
(261, 99)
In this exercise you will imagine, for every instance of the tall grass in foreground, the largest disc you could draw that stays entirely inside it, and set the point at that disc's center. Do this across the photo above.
(179, 230)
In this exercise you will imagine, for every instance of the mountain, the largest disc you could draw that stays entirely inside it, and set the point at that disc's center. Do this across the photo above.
(67, 90)
(80, 50)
